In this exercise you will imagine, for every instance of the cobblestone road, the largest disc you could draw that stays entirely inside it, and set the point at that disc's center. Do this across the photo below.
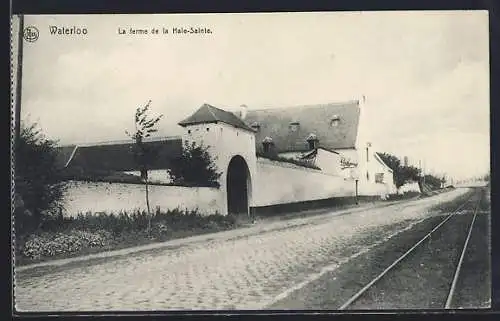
(239, 273)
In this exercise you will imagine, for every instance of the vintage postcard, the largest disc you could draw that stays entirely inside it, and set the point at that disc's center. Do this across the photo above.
(277, 161)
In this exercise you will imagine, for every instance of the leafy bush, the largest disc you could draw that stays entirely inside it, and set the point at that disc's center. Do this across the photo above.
(135, 221)
(195, 166)
(49, 244)
(38, 186)
(66, 235)
(405, 195)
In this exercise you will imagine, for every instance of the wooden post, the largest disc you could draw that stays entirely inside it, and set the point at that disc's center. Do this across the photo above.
(357, 201)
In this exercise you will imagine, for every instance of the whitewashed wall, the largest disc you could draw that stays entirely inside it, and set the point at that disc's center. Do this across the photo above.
(328, 162)
(116, 197)
(225, 142)
(352, 156)
(409, 187)
(159, 176)
(281, 183)
(374, 189)
(371, 165)
(369, 186)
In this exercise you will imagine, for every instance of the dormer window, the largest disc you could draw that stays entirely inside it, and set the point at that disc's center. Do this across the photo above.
(312, 140)
(294, 126)
(334, 121)
(255, 126)
(267, 142)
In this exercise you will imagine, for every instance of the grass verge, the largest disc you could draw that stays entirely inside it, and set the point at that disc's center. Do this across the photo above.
(62, 237)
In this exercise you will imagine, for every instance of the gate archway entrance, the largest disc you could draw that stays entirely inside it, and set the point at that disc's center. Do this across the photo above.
(238, 184)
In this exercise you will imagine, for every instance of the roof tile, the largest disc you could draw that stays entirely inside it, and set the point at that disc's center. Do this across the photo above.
(210, 114)
(312, 119)
(120, 157)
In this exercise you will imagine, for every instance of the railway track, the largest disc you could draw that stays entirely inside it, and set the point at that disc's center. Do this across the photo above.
(448, 302)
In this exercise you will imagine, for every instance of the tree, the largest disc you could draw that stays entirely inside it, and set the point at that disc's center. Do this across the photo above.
(433, 181)
(38, 186)
(410, 173)
(144, 155)
(195, 166)
(390, 160)
(395, 164)
(402, 173)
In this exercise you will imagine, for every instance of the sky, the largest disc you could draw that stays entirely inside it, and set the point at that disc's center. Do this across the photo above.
(425, 75)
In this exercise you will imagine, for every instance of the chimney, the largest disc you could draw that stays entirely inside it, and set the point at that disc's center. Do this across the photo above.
(267, 143)
(406, 160)
(243, 111)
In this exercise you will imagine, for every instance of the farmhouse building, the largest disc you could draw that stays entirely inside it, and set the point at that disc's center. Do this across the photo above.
(270, 159)
(328, 136)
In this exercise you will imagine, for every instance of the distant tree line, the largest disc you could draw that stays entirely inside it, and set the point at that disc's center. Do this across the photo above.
(433, 181)
(407, 173)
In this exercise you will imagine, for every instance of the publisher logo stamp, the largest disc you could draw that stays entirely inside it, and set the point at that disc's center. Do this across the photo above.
(31, 34)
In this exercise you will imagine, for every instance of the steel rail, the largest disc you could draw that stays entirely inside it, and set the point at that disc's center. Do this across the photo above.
(459, 265)
(378, 277)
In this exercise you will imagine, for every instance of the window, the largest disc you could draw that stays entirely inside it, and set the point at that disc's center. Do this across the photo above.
(379, 178)
(312, 140)
(189, 131)
(367, 154)
(208, 129)
(294, 126)
(255, 126)
(335, 121)
(367, 176)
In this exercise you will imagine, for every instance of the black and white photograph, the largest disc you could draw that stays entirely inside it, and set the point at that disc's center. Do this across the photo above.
(332, 161)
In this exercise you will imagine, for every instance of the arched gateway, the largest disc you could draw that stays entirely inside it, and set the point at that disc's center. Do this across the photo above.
(238, 186)
(232, 145)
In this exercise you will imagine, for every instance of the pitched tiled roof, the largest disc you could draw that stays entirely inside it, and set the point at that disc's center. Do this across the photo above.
(211, 114)
(312, 119)
(119, 156)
